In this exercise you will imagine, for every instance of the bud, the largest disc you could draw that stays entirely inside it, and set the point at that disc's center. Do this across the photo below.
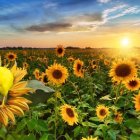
(6, 80)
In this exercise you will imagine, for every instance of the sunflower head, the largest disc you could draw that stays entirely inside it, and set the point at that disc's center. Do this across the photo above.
(11, 56)
(133, 84)
(118, 117)
(136, 101)
(44, 78)
(70, 59)
(78, 68)
(106, 62)
(69, 114)
(57, 74)
(12, 90)
(123, 70)
(60, 51)
(25, 65)
(102, 112)
(6, 80)
(36, 73)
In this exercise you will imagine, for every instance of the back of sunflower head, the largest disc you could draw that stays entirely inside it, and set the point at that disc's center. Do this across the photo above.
(6, 80)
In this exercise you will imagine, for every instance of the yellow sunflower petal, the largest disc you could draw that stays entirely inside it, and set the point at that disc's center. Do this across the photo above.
(16, 110)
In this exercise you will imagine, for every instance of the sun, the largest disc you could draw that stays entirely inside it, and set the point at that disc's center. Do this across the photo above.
(125, 42)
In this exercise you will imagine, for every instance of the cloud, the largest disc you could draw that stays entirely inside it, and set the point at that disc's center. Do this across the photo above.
(49, 27)
(103, 1)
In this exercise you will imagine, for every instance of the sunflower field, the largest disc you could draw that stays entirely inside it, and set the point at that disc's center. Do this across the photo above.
(69, 94)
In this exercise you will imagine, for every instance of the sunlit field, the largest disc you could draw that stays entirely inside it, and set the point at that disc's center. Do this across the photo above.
(70, 94)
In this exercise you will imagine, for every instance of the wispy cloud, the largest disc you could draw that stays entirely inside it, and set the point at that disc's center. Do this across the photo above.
(49, 27)
(103, 1)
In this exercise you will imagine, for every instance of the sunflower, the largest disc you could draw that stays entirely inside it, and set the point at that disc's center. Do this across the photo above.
(133, 84)
(92, 62)
(123, 70)
(36, 73)
(44, 78)
(102, 112)
(69, 114)
(106, 62)
(25, 65)
(137, 102)
(60, 51)
(94, 67)
(12, 89)
(70, 59)
(57, 74)
(118, 117)
(78, 68)
(11, 56)
(89, 138)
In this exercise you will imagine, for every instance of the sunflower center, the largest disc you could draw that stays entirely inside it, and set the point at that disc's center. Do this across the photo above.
(70, 112)
(133, 83)
(94, 62)
(102, 112)
(78, 67)
(123, 70)
(57, 74)
(11, 56)
(45, 80)
(60, 50)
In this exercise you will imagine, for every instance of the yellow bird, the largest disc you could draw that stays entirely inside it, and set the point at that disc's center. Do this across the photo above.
(6, 80)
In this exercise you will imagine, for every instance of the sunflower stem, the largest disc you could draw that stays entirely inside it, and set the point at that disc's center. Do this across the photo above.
(118, 90)
(55, 129)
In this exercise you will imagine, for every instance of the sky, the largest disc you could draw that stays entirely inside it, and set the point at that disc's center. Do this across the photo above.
(83, 23)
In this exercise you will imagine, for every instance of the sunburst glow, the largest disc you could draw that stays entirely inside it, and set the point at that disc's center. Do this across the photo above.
(125, 42)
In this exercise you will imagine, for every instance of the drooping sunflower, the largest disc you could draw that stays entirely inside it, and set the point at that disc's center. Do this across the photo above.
(123, 70)
(102, 112)
(69, 114)
(57, 74)
(60, 51)
(136, 101)
(44, 78)
(12, 89)
(78, 68)
(133, 84)
(11, 56)
(118, 117)
(89, 138)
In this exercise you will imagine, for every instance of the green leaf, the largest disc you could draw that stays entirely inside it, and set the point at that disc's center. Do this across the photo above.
(134, 137)
(3, 132)
(77, 131)
(107, 97)
(47, 137)
(10, 137)
(21, 125)
(112, 134)
(36, 85)
(89, 124)
(37, 125)
(29, 137)
(67, 137)
(94, 119)
(133, 123)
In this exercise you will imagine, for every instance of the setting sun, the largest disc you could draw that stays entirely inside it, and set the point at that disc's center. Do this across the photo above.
(125, 42)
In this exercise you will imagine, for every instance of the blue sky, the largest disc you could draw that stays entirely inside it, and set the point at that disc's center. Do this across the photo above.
(62, 19)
